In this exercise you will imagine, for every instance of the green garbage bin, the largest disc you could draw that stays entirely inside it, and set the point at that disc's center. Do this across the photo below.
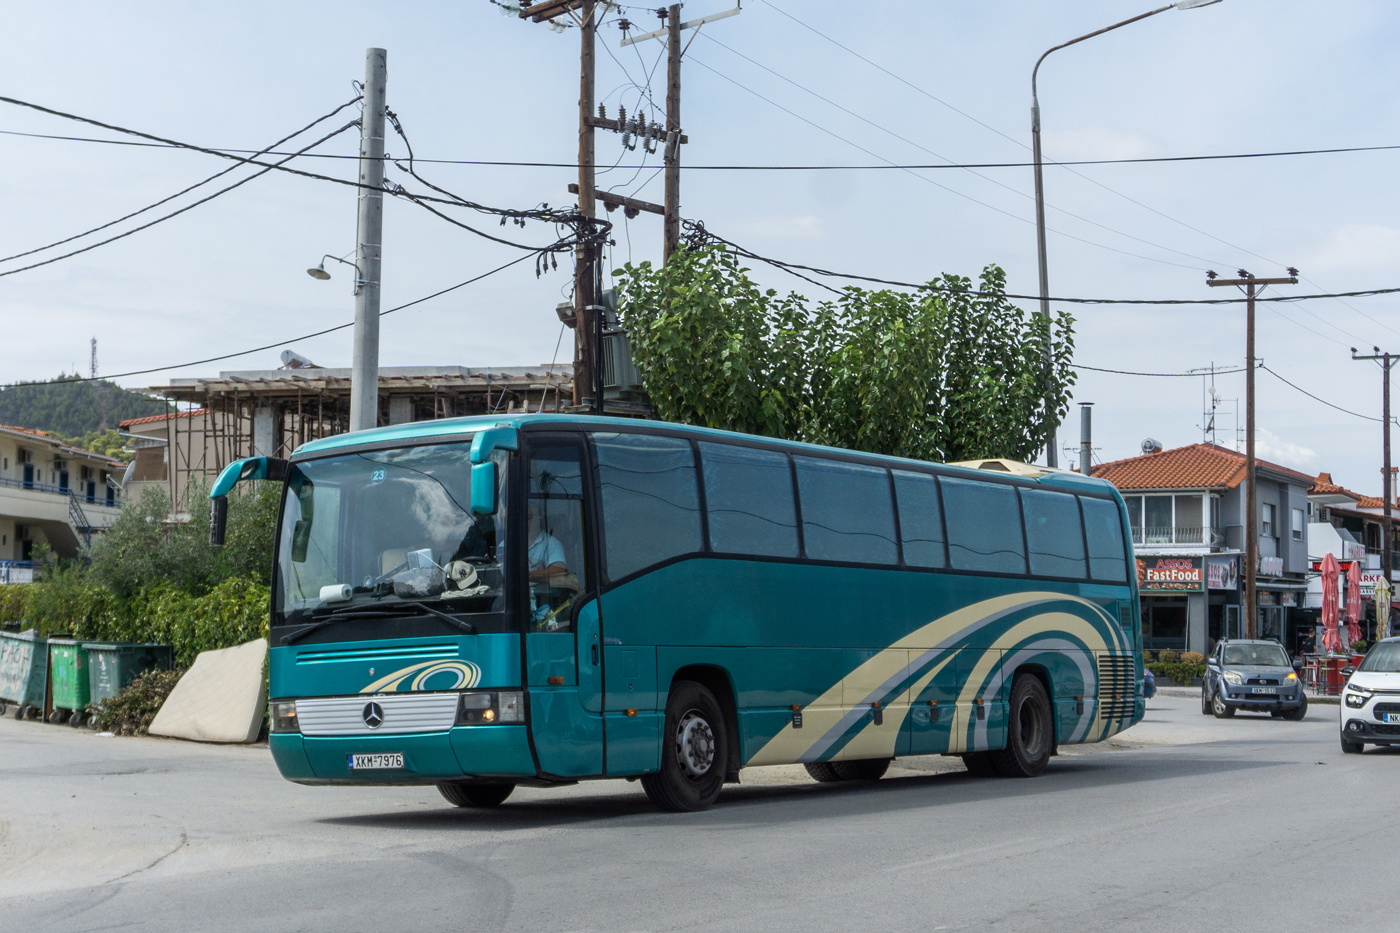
(24, 671)
(113, 665)
(68, 667)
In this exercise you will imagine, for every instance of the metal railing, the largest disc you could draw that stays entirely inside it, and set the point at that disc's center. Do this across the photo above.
(60, 491)
(1186, 534)
(16, 571)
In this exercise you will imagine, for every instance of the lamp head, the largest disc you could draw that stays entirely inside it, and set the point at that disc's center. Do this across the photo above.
(319, 272)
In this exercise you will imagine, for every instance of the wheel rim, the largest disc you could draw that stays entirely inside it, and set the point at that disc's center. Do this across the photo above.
(695, 745)
(1031, 726)
(1217, 704)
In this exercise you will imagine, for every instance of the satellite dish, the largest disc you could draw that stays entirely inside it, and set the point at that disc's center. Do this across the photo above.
(1151, 445)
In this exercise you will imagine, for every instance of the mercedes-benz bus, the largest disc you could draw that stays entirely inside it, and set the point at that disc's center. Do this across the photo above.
(486, 602)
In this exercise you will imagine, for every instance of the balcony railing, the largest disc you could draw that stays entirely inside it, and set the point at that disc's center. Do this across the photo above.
(61, 491)
(1187, 534)
(16, 571)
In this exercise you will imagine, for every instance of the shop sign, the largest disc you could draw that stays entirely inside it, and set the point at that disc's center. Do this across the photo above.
(1368, 583)
(1222, 573)
(1271, 566)
(1171, 574)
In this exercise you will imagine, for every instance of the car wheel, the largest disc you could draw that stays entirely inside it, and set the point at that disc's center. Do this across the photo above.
(823, 771)
(863, 769)
(1296, 715)
(483, 796)
(1219, 707)
(979, 764)
(1030, 730)
(1205, 702)
(694, 751)
(1352, 748)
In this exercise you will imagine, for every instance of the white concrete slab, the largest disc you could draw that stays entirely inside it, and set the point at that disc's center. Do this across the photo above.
(220, 699)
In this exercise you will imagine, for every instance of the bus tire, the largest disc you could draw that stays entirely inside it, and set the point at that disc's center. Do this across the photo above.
(863, 769)
(694, 751)
(482, 796)
(1030, 730)
(823, 771)
(979, 764)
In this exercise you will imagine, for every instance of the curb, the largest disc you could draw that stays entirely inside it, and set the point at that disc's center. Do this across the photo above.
(1187, 693)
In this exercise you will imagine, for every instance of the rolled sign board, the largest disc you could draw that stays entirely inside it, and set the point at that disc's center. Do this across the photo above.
(221, 698)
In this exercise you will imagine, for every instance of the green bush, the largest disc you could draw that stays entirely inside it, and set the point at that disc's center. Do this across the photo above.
(1166, 657)
(1193, 657)
(1181, 673)
(131, 711)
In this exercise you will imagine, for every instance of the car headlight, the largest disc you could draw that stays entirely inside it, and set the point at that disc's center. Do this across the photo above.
(1356, 700)
(1292, 676)
(488, 707)
(1233, 677)
(284, 716)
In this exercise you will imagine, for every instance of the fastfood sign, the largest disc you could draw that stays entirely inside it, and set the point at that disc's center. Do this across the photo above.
(1171, 574)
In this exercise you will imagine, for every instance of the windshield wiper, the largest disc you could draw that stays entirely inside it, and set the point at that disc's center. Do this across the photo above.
(381, 611)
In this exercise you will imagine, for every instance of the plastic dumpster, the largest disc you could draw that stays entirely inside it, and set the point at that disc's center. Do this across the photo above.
(24, 671)
(68, 667)
(113, 665)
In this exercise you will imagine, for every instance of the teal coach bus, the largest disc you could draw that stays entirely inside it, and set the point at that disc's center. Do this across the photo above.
(484, 602)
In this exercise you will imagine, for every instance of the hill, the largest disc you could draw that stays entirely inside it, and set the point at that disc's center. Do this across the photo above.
(74, 409)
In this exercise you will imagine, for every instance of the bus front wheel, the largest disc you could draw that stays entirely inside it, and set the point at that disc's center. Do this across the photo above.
(475, 795)
(1029, 730)
(694, 751)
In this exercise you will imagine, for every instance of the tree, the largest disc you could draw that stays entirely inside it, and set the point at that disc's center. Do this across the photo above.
(946, 373)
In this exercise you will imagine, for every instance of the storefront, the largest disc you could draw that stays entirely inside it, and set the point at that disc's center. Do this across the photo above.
(1223, 588)
(1173, 595)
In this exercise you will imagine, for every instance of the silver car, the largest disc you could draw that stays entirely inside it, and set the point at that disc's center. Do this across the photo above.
(1255, 675)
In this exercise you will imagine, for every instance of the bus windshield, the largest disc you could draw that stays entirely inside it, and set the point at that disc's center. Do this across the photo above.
(384, 528)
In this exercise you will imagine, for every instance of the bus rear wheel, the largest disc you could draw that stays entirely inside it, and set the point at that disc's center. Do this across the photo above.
(483, 796)
(979, 764)
(694, 751)
(823, 772)
(1029, 730)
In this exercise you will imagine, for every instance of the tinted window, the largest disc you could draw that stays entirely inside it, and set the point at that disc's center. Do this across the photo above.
(847, 514)
(984, 526)
(920, 519)
(651, 509)
(1054, 535)
(748, 494)
(1104, 526)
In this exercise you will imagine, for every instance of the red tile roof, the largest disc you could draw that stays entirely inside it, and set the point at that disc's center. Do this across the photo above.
(151, 419)
(1198, 466)
(33, 431)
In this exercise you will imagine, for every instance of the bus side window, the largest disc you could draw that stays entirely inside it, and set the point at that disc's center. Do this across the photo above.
(1053, 533)
(556, 569)
(1103, 526)
(749, 501)
(651, 506)
(984, 526)
(920, 519)
(847, 514)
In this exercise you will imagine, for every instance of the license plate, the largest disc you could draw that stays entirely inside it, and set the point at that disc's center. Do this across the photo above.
(1392, 717)
(1263, 689)
(380, 761)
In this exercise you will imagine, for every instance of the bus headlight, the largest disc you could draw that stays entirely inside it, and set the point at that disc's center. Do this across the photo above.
(284, 716)
(488, 707)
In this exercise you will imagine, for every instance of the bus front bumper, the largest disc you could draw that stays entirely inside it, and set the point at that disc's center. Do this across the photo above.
(428, 758)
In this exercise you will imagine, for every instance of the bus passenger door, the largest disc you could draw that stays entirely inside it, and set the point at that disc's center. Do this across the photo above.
(562, 636)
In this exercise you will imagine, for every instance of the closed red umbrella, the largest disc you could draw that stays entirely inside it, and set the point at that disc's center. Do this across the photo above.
(1331, 643)
(1354, 602)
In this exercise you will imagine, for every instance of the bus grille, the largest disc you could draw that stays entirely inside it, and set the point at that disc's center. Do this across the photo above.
(1117, 686)
(403, 712)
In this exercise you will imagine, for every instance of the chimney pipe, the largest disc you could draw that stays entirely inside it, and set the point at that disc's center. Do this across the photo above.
(1086, 437)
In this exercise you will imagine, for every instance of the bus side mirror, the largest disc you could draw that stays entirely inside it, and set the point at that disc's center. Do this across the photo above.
(218, 521)
(484, 488)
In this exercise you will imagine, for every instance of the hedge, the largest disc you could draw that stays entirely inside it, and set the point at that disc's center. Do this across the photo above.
(1182, 673)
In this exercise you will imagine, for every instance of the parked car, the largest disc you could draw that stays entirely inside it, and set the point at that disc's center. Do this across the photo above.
(1371, 699)
(1149, 684)
(1254, 675)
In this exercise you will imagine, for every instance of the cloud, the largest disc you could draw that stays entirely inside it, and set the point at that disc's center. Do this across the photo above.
(1098, 142)
(1269, 446)
(805, 227)
(1355, 248)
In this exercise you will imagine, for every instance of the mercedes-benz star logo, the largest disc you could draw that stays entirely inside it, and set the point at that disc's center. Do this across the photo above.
(373, 715)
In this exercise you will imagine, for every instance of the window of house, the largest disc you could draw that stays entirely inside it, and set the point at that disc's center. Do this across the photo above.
(749, 501)
(1267, 521)
(920, 519)
(984, 526)
(1157, 518)
(1298, 522)
(651, 506)
(1134, 504)
(847, 513)
(1054, 533)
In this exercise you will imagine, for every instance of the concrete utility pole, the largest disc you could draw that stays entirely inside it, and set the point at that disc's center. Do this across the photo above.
(1086, 438)
(364, 360)
(1387, 485)
(672, 154)
(1251, 285)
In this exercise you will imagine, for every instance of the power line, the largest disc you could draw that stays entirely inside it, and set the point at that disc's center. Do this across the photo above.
(1316, 398)
(280, 343)
(1129, 372)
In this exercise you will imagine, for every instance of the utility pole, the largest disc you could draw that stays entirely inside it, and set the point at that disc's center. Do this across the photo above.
(1252, 286)
(1387, 494)
(672, 154)
(364, 359)
(588, 326)
(1086, 438)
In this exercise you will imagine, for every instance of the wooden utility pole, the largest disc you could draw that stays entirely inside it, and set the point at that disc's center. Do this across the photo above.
(1387, 490)
(673, 131)
(585, 274)
(1251, 285)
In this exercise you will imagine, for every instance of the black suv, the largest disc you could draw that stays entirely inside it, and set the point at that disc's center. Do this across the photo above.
(1254, 675)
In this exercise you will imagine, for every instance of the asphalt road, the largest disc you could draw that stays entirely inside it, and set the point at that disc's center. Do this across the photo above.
(1185, 823)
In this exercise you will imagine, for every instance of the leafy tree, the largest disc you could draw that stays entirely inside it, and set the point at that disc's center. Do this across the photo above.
(108, 443)
(937, 374)
(71, 409)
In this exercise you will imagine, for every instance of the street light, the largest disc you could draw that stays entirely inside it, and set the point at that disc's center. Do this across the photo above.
(320, 271)
(1040, 196)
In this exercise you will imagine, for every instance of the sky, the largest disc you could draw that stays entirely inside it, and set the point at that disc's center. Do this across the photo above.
(917, 82)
